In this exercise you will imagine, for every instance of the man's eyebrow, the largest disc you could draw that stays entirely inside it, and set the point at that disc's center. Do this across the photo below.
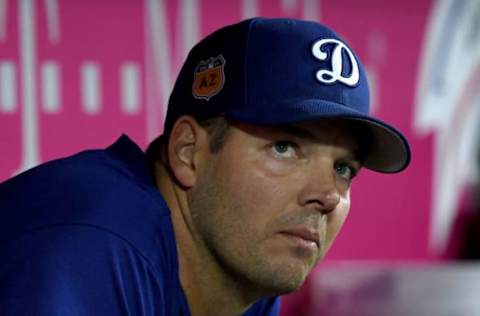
(356, 155)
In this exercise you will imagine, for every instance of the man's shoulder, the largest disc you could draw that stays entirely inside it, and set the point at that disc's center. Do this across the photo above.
(89, 226)
(77, 270)
(102, 188)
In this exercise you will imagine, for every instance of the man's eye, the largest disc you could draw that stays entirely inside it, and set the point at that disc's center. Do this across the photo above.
(345, 171)
(284, 148)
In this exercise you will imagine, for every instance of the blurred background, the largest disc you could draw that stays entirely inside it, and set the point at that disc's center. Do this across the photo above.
(76, 74)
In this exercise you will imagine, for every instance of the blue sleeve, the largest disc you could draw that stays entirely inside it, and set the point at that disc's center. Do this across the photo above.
(265, 307)
(76, 270)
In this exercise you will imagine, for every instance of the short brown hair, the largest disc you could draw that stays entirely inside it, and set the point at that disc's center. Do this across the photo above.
(217, 129)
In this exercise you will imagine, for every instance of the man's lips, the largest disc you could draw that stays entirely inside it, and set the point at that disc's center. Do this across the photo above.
(306, 234)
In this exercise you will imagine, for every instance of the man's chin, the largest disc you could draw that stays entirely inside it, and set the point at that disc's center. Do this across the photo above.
(285, 283)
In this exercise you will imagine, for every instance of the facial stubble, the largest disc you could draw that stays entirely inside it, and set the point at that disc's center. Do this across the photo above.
(223, 222)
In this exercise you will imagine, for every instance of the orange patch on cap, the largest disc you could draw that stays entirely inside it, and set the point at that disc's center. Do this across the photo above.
(209, 78)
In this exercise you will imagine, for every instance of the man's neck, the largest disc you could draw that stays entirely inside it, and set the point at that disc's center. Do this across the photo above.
(209, 289)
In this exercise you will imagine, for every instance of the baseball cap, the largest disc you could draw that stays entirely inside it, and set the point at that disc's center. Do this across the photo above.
(283, 71)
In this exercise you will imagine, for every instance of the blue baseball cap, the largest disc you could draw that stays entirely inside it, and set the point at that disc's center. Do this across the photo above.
(283, 71)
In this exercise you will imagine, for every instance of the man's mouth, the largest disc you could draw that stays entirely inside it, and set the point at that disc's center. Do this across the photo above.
(305, 237)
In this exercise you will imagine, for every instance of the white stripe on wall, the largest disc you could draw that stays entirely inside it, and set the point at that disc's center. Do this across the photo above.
(50, 87)
(130, 88)
(53, 24)
(8, 87)
(3, 20)
(289, 5)
(30, 130)
(90, 87)
(158, 63)
(311, 10)
(189, 18)
(249, 8)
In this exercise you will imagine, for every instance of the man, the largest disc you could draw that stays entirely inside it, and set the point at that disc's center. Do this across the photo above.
(232, 206)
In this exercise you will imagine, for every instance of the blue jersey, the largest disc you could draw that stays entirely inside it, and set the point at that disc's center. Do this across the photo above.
(91, 235)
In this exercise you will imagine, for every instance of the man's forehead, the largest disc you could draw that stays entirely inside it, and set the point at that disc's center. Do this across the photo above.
(339, 132)
(349, 135)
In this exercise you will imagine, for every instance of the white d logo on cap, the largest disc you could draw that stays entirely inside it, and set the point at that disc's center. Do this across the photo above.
(334, 75)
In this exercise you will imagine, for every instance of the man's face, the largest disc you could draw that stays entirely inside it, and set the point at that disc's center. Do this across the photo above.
(269, 204)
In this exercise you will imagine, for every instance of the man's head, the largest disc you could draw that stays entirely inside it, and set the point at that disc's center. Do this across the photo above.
(282, 71)
(267, 125)
(270, 201)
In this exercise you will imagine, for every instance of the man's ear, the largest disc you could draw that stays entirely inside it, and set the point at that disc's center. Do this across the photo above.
(187, 142)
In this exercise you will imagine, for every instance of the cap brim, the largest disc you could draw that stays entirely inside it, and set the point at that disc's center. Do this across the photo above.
(388, 150)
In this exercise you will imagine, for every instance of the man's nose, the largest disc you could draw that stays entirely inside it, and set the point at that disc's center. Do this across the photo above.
(321, 190)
